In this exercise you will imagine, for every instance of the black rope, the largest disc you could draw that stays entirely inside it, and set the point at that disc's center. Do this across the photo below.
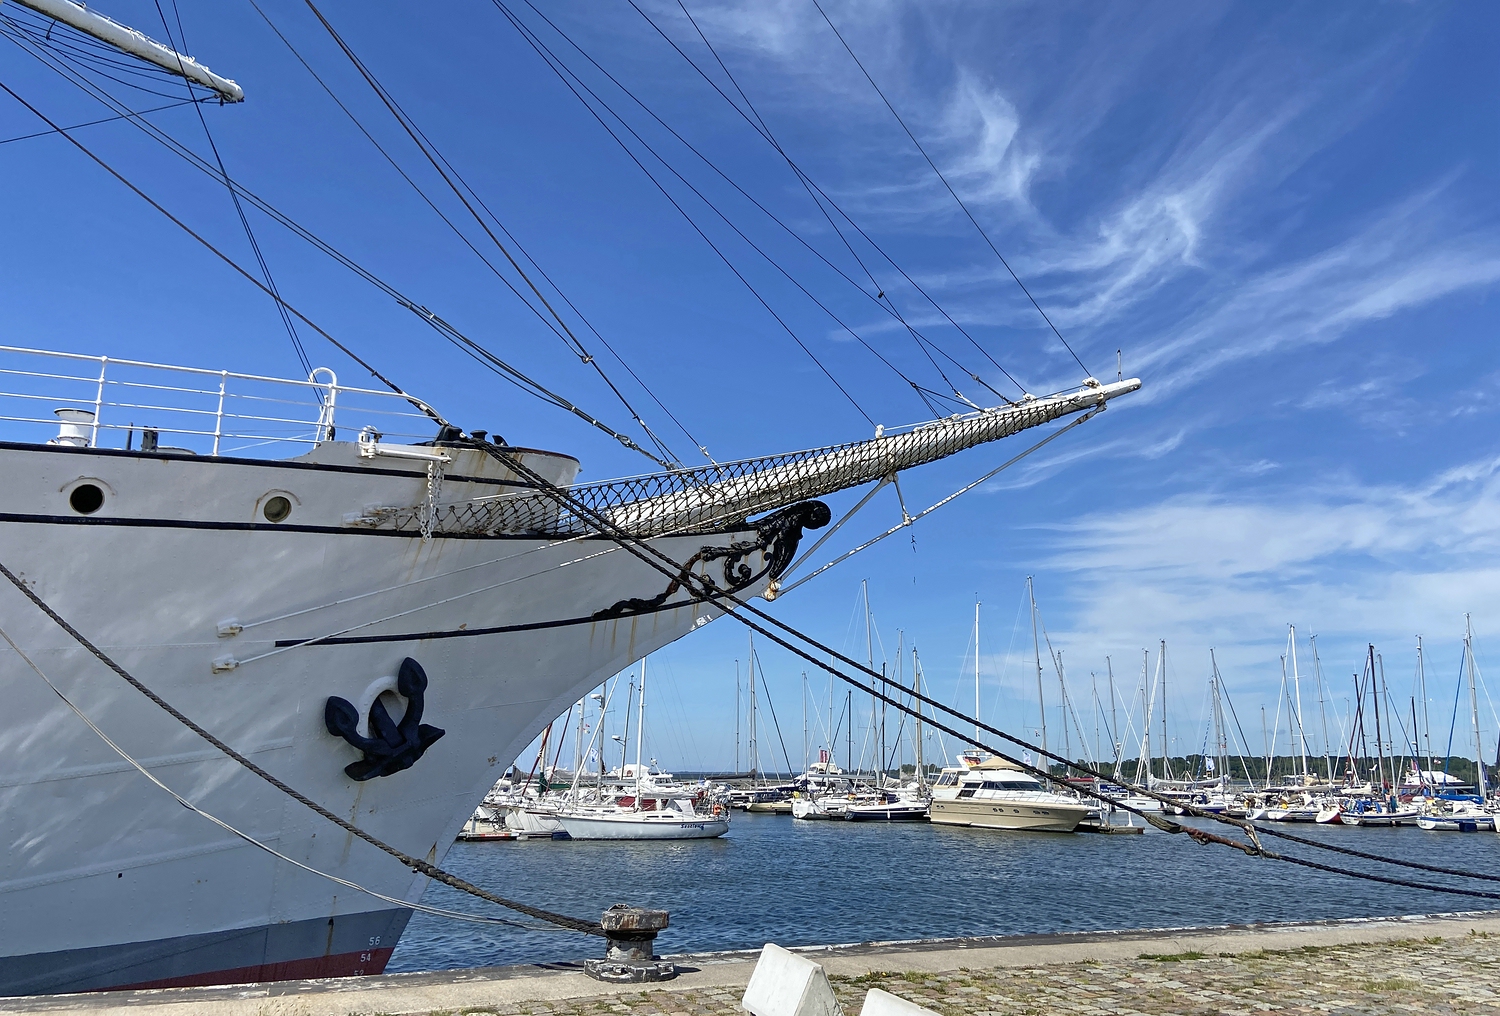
(558, 67)
(449, 175)
(802, 175)
(704, 591)
(467, 345)
(699, 230)
(416, 864)
(107, 119)
(474, 349)
(418, 403)
(239, 209)
(949, 186)
(806, 186)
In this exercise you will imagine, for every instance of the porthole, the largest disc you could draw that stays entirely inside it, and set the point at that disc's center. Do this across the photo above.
(277, 509)
(86, 499)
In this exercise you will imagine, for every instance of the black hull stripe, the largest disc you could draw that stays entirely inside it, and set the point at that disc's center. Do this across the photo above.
(286, 527)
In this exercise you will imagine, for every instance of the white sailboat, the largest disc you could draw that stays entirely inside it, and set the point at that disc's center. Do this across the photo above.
(644, 810)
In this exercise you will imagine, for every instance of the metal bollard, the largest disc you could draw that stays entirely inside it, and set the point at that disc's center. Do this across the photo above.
(629, 957)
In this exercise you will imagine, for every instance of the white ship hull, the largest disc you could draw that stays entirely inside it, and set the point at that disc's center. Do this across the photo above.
(1014, 815)
(625, 827)
(104, 880)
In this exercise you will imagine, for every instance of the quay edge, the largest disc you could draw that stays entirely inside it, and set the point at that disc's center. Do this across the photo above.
(495, 988)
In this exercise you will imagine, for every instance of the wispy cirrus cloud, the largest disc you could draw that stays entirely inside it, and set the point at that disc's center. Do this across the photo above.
(1352, 562)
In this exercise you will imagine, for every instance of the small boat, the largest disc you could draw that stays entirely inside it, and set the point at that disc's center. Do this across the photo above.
(1331, 814)
(656, 817)
(1461, 823)
(887, 807)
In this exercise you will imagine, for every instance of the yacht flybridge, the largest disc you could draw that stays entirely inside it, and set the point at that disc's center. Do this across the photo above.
(369, 604)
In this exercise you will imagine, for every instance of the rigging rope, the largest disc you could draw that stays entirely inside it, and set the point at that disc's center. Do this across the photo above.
(704, 591)
(260, 258)
(802, 175)
(558, 67)
(878, 298)
(713, 246)
(418, 403)
(949, 186)
(450, 175)
(442, 327)
(416, 864)
(107, 119)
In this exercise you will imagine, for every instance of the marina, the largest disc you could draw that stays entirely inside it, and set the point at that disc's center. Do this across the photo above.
(388, 667)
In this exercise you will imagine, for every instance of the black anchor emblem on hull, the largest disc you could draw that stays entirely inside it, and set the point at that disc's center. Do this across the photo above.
(392, 746)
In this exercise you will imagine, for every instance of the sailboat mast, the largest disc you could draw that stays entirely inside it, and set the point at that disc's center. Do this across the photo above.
(1422, 690)
(1483, 784)
(640, 734)
(1036, 648)
(1213, 687)
(1114, 714)
(869, 662)
(976, 671)
(737, 711)
(804, 721)
(1379, 736)
(1297, 690)
(1322, 709)
(752, 749)
(1148, 702)
(916, 687)
(1166, 747)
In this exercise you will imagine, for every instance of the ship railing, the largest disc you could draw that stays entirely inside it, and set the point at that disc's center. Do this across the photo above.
(104, 402)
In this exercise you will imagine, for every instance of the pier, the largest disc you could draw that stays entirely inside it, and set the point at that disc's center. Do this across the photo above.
(1441, 963)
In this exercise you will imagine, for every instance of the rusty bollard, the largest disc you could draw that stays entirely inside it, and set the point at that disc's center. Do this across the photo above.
(631, 933)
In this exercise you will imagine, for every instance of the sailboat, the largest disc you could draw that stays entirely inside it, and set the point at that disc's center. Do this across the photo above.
(363, 598)
(642, 808)
(1452, 812)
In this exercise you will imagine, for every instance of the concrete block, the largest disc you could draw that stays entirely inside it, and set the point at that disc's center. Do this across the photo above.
(883, 1003)
(785, 984)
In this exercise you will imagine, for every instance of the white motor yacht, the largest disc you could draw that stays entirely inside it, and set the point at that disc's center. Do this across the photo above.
(996, 794)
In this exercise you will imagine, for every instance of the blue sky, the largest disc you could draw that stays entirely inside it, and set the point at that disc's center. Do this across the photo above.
(1283, 216)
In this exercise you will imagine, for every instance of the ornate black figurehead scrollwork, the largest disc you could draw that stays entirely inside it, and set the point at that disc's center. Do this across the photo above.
(391, 746)
(778, 535)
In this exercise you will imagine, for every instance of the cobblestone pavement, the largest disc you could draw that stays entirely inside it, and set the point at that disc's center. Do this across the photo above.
(1433, 975)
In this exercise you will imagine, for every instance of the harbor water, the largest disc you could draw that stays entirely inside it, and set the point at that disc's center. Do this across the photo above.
(804, 883)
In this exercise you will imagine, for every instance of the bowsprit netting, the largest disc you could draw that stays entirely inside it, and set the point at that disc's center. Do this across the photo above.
(709, 498)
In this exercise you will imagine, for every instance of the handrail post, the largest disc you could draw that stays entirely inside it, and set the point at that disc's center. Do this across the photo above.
(98, 403)
(219, 416)
(325, 425)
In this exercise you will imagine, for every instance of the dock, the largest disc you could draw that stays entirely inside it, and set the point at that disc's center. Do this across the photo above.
(1439, 963)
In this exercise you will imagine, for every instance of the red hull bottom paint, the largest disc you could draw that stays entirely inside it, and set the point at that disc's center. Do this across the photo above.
(371, 961)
